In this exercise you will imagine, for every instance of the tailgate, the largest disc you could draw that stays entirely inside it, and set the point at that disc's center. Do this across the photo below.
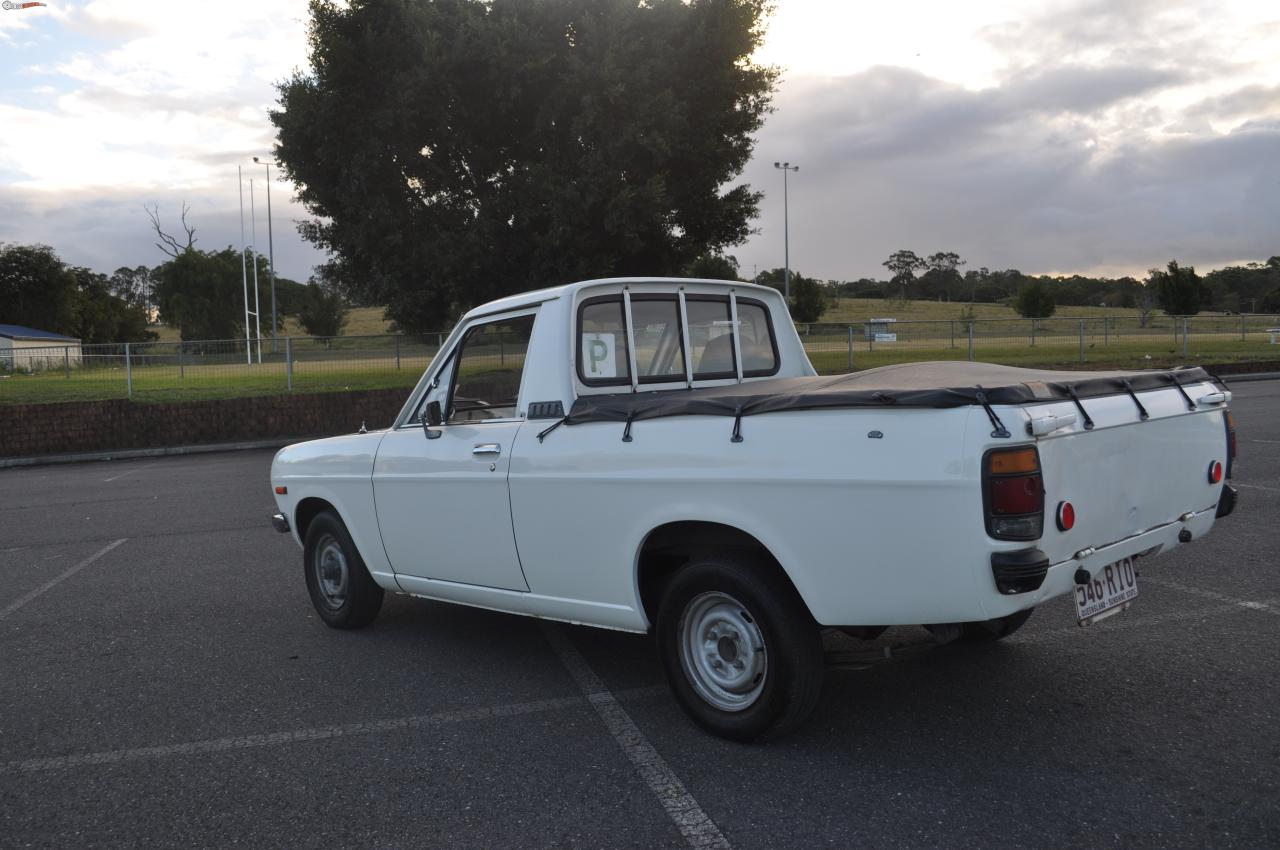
(1129, 475)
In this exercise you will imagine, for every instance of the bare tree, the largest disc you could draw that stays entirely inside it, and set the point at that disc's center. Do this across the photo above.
(167, 243)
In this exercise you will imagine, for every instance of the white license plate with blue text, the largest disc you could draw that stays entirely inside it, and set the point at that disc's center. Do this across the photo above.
(1111, 590)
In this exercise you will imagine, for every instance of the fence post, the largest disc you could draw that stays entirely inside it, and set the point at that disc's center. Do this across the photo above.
(1034, 322)
(1106, 331)
(971, 342)
(182, 366)
(1184, 336)
(953, 333)
(66, 360)
(502, 351)
(397, 351)
(288, 362)
(1082, 340)
(128, 371)
(1242, 327)
(850, 348)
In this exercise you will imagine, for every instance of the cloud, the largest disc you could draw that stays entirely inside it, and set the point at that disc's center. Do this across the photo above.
(1008, 176)
(104, 229)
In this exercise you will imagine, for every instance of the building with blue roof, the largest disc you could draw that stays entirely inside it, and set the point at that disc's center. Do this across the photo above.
(31, 348)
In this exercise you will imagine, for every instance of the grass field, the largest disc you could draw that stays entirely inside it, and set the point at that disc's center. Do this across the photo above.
(341, 368)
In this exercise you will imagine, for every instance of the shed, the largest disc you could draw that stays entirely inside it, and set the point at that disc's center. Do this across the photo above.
(31, 349)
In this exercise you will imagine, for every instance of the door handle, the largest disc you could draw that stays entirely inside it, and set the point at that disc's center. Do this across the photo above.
(487, 449)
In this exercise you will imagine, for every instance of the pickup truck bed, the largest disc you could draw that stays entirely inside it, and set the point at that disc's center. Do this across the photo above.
(941, 384)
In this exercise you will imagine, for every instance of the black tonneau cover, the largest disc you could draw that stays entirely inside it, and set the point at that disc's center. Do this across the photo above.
(934, 384)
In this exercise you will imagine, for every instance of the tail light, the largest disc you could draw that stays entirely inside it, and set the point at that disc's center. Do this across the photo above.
(1013, 493)
(1231, 441)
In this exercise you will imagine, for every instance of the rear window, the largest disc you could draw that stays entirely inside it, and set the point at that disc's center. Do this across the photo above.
(710, 337)
(602, 343)
(657, 341)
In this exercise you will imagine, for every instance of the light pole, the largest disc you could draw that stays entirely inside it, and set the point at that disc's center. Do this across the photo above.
(786, 232)
(271, 254)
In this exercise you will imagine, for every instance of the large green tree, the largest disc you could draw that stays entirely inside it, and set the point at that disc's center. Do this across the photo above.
(201, 293)
(37, 290)
(1034, 300)
(458, 150)
(1181, 291)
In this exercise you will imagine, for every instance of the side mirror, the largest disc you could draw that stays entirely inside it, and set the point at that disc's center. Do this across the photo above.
(432, 418)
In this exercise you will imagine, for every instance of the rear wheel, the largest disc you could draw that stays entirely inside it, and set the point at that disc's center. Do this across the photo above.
(741, 652)
(342, 591)
(985, 631)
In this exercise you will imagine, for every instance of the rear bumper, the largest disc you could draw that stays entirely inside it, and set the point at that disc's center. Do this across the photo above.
(1227, 503)
(1059, 578)
(280, 523)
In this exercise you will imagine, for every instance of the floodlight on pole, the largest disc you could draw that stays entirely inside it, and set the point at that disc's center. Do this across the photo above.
(271, 255)
(786, 231)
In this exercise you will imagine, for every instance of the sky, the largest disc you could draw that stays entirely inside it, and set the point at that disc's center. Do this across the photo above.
(1053, 137)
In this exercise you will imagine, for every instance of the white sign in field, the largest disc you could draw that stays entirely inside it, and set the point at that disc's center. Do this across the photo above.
(886, 337)
(598, 359)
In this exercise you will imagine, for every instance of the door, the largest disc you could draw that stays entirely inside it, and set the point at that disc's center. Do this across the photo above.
(443, 506)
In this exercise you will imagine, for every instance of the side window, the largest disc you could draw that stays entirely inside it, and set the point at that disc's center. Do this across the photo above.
(487, 371)
(759, 350)
(602, 343)
(710, 337)
(659, 343)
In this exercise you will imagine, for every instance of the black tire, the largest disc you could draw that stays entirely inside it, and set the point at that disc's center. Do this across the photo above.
(342, 591)
(786, 688)
(986, 631)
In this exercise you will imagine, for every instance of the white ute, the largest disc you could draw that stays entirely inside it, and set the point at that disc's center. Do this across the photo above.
(659, 455)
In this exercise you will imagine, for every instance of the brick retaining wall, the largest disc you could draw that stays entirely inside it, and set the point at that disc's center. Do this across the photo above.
(28, 430)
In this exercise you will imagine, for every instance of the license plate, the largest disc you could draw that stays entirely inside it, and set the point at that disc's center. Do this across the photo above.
(1111, 591)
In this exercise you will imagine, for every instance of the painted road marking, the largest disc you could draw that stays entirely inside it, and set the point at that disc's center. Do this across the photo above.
(244, 742)
(697, 828)
(14, 606)
(1211, 594)
(295, 736)
(1257, 487)
(128, 472)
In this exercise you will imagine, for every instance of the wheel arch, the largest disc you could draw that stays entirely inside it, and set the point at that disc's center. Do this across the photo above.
(668, 547)
(307, 510)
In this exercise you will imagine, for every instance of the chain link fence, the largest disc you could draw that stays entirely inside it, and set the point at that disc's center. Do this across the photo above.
(161, 371)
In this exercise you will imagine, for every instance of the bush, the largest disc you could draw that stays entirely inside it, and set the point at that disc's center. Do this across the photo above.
(1034, 301)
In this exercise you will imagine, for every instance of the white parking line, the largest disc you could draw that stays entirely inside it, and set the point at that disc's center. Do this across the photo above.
(1211, 594)
(697, 828)
(1257, 487)
(128, 472)
(23, 600)
(244, 742)
(1122, 623)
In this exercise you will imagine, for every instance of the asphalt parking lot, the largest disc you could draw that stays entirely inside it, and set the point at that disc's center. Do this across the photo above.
(165, 682)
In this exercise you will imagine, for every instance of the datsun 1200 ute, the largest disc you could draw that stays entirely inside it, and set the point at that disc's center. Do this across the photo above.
(659, 455)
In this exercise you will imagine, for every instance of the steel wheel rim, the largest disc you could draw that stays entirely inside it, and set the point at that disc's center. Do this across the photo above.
(331, 571)
(722, 651)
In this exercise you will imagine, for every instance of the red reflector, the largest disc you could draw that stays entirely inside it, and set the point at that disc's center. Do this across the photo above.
(1021, 494)
(1215, 472)
(1066, 516)
(282, 491)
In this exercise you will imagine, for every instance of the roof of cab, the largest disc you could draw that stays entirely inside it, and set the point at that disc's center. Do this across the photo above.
(539, 296)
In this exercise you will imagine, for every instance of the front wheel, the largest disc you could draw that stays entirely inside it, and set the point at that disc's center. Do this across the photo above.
(342, 591)
(741, 652)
